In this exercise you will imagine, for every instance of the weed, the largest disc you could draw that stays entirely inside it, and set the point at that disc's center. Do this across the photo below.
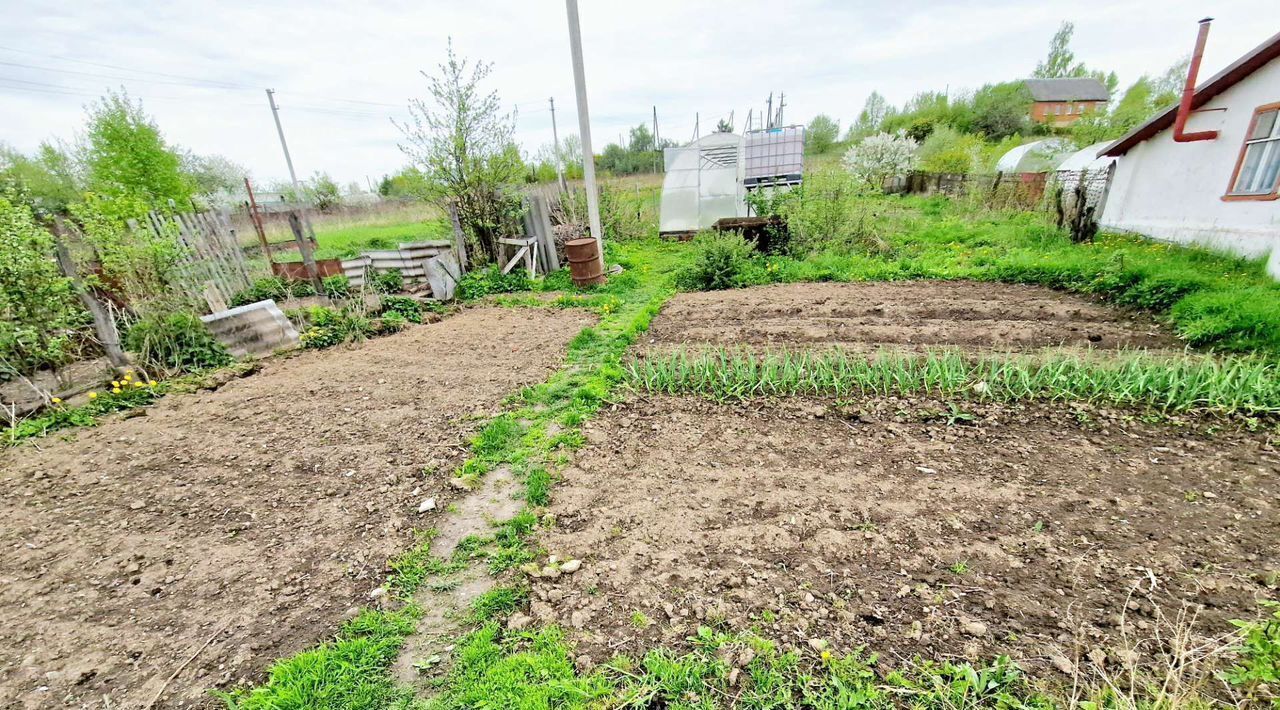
(640, 620)
(959, 568)
(719, 261)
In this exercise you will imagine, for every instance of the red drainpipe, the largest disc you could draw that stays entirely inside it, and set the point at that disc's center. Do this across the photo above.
(1189, 92)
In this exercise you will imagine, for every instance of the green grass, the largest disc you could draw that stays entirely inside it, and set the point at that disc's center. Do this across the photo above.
(1235, 384)
(344, 242)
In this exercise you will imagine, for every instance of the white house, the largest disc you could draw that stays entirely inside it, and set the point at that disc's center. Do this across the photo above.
(1207, 171)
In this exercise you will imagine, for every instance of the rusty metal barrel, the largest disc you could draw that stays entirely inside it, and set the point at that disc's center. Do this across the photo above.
(584, 262)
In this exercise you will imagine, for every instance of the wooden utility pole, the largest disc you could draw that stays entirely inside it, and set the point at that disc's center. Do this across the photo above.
(555, 141)
(584, 128)
(103, 323)
(304, 245)
(257, 221)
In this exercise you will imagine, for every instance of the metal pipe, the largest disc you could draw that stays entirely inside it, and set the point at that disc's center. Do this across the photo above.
(1189, 92)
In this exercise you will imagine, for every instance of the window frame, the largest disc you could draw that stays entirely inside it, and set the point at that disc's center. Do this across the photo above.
(1230, 196)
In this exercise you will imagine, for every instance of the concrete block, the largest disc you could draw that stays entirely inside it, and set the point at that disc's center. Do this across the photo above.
(256, 329)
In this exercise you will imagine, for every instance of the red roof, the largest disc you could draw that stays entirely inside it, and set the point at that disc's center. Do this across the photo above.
(1223, 80)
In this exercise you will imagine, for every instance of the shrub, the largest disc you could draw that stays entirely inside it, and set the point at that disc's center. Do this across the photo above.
(405, 307)
(827, 212)
(483, 282)
(391, 281)
(391, 322)
(270, 288)
(326, 327)
(337, 287)
(719, 262)
(38, 308)
(174, 342)
(302, 289)
(881, 157)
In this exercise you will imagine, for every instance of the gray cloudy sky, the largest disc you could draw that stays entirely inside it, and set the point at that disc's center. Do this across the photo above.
(342, 70)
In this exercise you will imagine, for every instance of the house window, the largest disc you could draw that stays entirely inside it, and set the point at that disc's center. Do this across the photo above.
(1258, 168)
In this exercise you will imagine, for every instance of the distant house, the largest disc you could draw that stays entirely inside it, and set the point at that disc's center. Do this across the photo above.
(1210, 174)
(1061, 102)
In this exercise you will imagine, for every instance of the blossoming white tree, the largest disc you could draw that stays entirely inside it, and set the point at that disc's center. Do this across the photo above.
(880, 157)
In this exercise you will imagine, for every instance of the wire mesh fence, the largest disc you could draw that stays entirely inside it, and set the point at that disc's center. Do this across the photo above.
(1073, 199)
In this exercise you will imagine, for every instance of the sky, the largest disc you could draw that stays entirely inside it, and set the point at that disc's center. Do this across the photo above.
(344, 71)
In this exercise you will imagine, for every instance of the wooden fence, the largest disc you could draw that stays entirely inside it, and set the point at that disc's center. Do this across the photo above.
(212, 268)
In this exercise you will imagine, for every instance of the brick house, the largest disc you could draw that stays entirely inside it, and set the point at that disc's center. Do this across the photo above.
(1061, 102)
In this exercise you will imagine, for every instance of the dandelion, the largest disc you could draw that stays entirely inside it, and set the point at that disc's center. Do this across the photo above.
(826, 656)
(115, 383)
(93, 395)
(56, 400)
(137, 384)
(151, 383)
(115, 390)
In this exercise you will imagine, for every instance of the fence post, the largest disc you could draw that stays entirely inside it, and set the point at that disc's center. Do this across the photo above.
(459, 239)
(304, 246)
(103, 324)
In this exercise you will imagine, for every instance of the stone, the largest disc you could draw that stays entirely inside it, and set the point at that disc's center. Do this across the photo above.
(378, 593)
(571, 566)
(974, 628)
(428, 504)
(518, 621)
(1062, 664)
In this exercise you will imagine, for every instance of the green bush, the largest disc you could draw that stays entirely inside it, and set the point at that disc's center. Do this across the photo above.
(302, 289)
(270, 288)
(326, 327)
(482, 282)
(720, 261)
(391, 281)
(337, 287)
(175, 342)
(390, 322)
(407, 308)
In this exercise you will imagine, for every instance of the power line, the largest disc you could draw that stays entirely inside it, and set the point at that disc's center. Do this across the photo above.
(189, 82)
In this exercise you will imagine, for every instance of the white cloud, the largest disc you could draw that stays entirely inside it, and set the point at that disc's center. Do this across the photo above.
(684, 57)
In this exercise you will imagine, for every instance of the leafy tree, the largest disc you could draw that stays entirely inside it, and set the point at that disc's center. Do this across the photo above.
(947, 150)
(1061, 62)
(214, 178)
(1002, 110)
(873, 113)
(821, 134)
(723, 126)
(461, 139)
(38, 309)
(881, 157)
(323, 192)
(124, 154)
(46, 182)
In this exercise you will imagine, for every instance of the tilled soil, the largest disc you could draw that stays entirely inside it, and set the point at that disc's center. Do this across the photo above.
(250, 519)
(907, 314)
(1033, 530)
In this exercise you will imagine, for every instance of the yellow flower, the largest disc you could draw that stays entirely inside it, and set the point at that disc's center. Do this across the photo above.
(115, 390)
(115, 383)
(826, 655)
(128, 378)
(152, 383)
(137, 384)
(93, 395)
(56, 400)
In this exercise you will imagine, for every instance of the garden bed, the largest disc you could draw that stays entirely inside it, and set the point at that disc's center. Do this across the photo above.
(1065, 537)
(911, 315)
(239, 518)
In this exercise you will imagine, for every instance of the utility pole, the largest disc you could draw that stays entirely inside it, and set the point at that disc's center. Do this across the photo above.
(769, 112)
(782, 103)
(304, 245)
(555, 140)
(584, 127)
(657, 142)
